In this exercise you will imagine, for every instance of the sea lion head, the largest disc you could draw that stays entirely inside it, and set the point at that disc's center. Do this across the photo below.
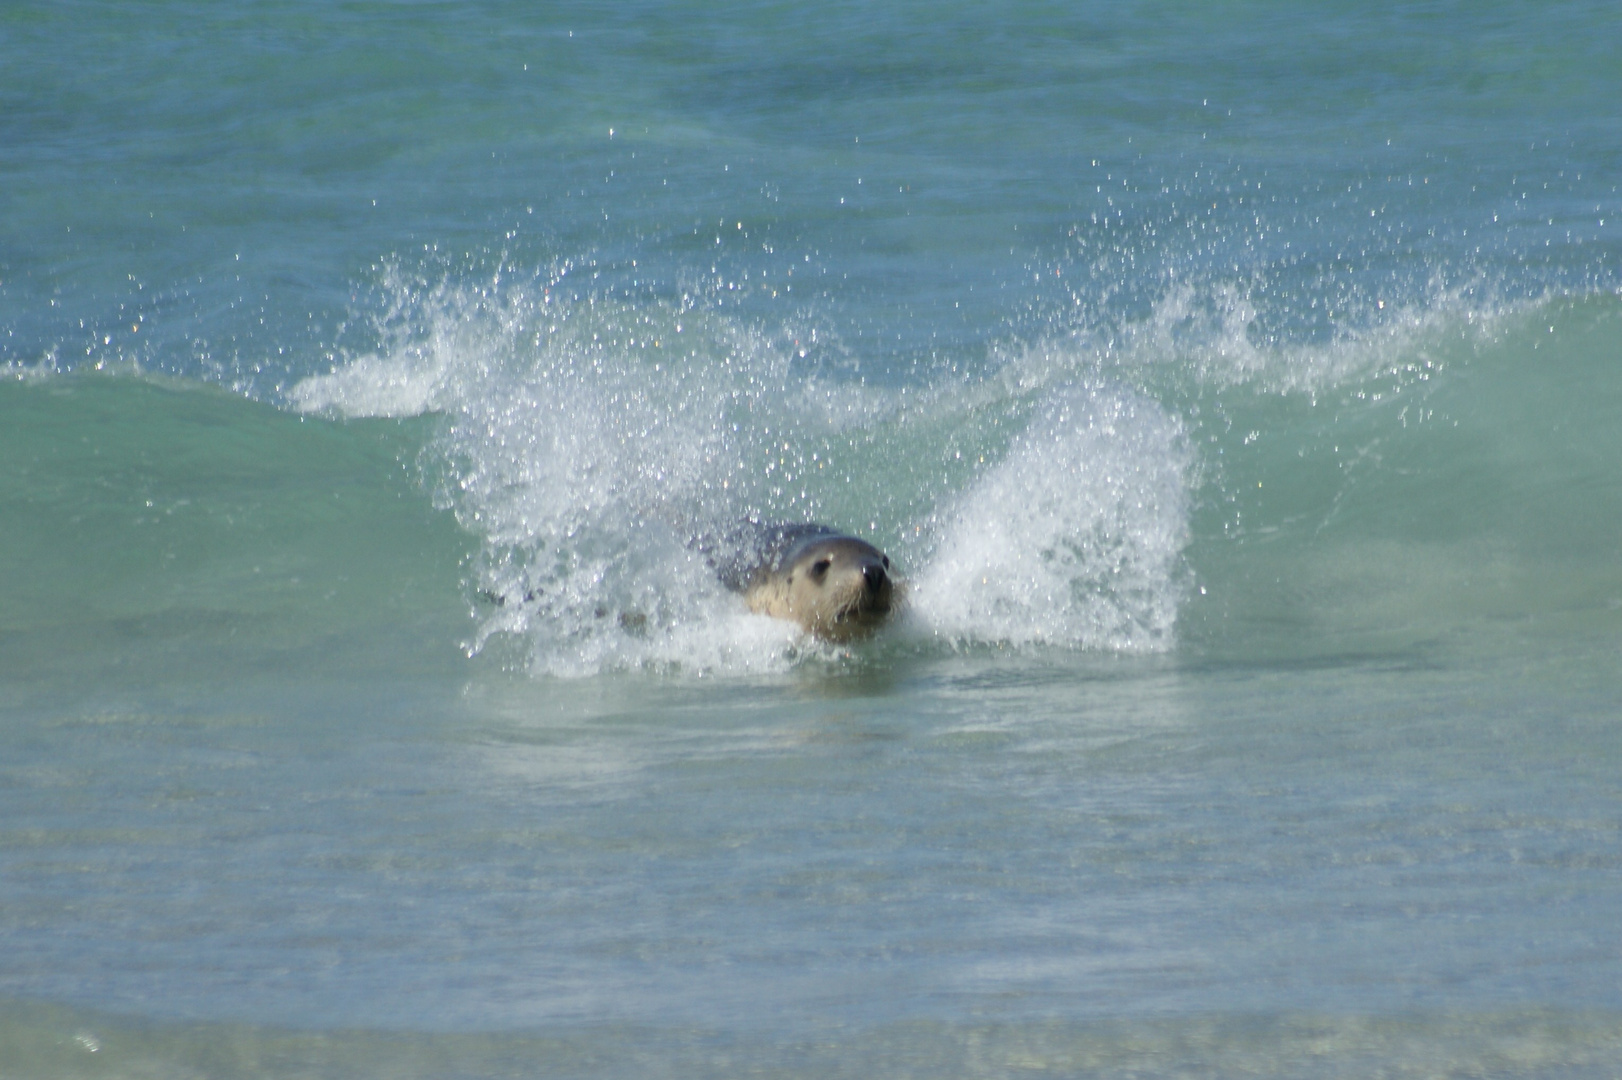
(837, 587)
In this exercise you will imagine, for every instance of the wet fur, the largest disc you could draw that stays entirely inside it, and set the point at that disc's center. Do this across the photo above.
(836, 586)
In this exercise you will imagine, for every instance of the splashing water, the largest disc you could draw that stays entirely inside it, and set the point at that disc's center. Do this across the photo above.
(586, 440)
(1074, 538)
(1041, 498)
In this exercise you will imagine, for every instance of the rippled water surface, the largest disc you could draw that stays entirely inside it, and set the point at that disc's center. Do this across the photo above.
(1238, 392)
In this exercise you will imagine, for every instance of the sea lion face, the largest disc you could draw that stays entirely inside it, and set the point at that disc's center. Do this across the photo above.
(837, 587)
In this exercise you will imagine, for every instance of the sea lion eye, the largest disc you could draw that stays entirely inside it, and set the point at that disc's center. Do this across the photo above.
(887, 562)
(820, 567)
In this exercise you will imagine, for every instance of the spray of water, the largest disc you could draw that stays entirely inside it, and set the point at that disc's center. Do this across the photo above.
(587, 437)
(1074, 537)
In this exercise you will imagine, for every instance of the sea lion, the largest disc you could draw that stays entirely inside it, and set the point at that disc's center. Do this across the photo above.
(837, 587)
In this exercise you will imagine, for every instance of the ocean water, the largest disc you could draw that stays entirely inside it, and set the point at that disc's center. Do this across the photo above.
(1238, 388)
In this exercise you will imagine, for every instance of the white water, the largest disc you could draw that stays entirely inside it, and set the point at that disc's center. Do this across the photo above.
(586, 440)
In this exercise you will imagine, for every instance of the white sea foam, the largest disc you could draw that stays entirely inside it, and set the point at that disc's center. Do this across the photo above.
(1203, 338)
(586, 440)
(587, 437)
(373, 385)
(1074, 538)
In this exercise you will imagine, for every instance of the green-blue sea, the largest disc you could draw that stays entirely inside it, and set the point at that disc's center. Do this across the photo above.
(1237, 387)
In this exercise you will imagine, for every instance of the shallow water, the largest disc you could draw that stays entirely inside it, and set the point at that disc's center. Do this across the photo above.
(1239, 393)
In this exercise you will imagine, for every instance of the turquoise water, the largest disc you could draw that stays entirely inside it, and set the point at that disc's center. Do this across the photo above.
(1238, 390)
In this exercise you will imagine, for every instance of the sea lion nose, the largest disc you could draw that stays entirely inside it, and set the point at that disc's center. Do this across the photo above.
(874, 573)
